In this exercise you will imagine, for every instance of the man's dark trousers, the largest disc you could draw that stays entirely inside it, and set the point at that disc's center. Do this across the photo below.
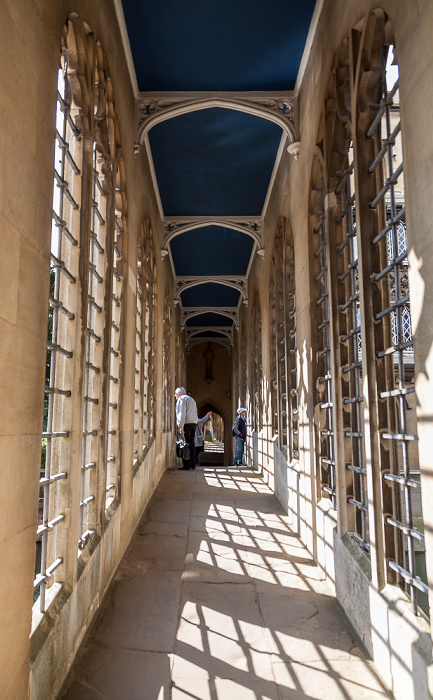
(189, 435)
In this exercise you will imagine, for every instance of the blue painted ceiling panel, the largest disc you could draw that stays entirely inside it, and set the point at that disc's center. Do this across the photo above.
(213, 249)
(226, 45)
(208, 320)
(214, 162)
(210, 294)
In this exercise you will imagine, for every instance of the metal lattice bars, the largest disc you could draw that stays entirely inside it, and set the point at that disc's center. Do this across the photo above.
(394, 319)
(351, 351)
(274, 350)
(281, 367)
(292, 353)
(323, 353)
(60, 317)
(138, 354)
(149, 288)
(93, 357)
(112, 460)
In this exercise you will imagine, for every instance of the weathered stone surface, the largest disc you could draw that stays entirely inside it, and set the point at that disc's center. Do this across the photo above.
(222, 629)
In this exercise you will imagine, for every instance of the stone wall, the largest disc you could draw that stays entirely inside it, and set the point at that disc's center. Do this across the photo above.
(361, 590)
(31, 34)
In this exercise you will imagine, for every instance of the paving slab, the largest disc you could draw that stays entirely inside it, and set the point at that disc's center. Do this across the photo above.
(218, 599)
(119, 674)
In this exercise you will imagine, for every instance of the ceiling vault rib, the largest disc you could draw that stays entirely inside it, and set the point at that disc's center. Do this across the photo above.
(191, 311)
(226, 335)
(238, 282)
(282, 109)
(175, 226)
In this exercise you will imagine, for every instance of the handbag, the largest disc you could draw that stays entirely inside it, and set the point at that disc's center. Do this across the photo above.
(182, 449)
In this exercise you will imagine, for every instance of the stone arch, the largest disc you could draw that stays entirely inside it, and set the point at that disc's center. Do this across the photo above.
(249, 228)
(237, 283)
(213, 310)
(279, 111)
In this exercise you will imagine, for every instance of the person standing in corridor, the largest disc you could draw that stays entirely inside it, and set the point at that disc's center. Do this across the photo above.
(199, 435)
(186, 419)
(240, 433)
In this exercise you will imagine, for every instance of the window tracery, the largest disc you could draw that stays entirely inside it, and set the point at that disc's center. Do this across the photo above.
(57, 418)
(86, 284)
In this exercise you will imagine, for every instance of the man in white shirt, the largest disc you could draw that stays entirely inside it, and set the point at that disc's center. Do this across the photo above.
(186, 418)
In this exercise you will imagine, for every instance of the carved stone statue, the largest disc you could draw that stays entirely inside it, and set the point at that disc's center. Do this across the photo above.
(208, 361)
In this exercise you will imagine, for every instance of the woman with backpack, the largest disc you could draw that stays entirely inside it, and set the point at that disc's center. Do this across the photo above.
(239, 431)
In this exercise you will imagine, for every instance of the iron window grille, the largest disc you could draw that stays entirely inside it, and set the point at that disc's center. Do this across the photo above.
(350, 349)
(138, 370)
(291, 351)
(257, 365)
(323, 368)
(274, 343)
(61, 330)
(167, 340)
(150, 334)
(114, 389)
(93, 356)
(394, 350)
(278, 325)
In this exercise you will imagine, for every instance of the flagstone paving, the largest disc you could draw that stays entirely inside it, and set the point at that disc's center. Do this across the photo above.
(218, 599)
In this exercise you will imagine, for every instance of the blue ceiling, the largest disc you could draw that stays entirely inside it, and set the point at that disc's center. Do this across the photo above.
(229, 45)
(216, 249)
(215, 162)
(211, 294)
(209, 319)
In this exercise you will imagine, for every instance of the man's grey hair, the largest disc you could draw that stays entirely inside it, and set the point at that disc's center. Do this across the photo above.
(180, 390)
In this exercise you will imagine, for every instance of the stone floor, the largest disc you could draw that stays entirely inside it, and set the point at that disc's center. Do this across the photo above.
(216, 598)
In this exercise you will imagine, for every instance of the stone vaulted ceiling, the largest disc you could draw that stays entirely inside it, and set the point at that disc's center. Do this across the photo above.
(216, 105)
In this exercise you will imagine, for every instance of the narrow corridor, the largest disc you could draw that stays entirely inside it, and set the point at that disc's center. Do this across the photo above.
(217, 598)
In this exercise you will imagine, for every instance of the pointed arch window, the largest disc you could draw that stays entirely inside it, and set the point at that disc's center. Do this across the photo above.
(65, 239)
(393, 343)
(360, 270)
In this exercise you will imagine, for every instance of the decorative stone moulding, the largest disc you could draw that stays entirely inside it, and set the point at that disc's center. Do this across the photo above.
(191, 311)
(251, 226)
(294, 149)
(235, 281)
(226, 334)
(156, 107)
